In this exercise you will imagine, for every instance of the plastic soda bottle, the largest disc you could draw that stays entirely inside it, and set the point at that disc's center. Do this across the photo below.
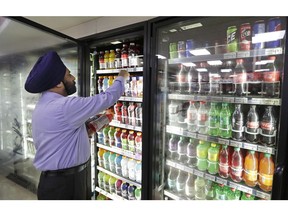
(131, 169)
(117, 137)
(209, 190)
(190, 187)
(268, 127)
(124, 190)
(106, 160)
(201, 155)
(247, 196)
(131, 192)
(124, 166)
(192, 153)
(200, 188)
(138, 171)
(250, 169)
(100, 137)
(220, 192)
(111, 59)
(138, 143)
(236, 165)
(181, 150)
(266, 172)
(111, 136)
(117, 162)
(240, 78)
(180, 182)
(238, 123)
(202, 118)
(105, 83)
(118, 184)
(100, 197)
(131, 141)
(224, 162)
(112, 181)
(172, 148)
(124, 113)
(117, 111)
(171, 179)
(100, 122)
(100, 180)
(111, 160)
(192, 117)
(138, 193)
(252, 125)
(124, 139)
(106, 178)
(105, 136)
(225, 122)
(110, 81)
(213, 158)
(106, 59)
(213, 120)
(100, 157)
(233, 194)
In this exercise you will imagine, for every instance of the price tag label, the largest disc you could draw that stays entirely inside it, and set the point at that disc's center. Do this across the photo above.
(240, 100)
(198, 173)
(255, 101)
(191, 134)
(276, 102)
(202, 137)
(230, 55)
(218, 99)
(235, 144)
(243, 54)
(233, 185)
(265, 149)
(273, 51)
(212, 139)
(221, 181)
(210, 177)
(223, 141)
(202, 98)
(228, 99)
(245, 189)
(250, 146)
(263, 195)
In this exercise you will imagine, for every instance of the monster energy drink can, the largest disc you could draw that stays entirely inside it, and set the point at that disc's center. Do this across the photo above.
(232, 39)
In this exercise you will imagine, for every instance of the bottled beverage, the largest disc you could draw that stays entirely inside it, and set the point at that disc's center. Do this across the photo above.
(252, 125)
(117, 137)
(271, 78)
(110, 80)
(255, 79)
(106, 178)
(250, 169)
(181, 150)
(138, 143)
(224, 162)
(101, 122)
(124, 166)
(220, 192)
(213, 120)
(124, 56)
(112, 187)
(106, 59)
(124, 139)
(140, 87)
(238, 123)
(266, 172)
(111, 160)
(138, 171)
(172, 148)
(202, 118)
(128, 92)
(124, 190)
(111, 133)
(124, 113)
(100, 157)
(225, 122)
(173, 110)
(105, 136)
(106, 160)
(182, 114)
(105, 83)
(240, 79)
(202, 152)
(173, 50)
(236, 169)
(100, 197)
(226, 74)
(190, 186)
(118, 62)
(203, 79)
(171, 179)
(233, 194)
(138, 193)
(268, 127)
(117, 162)
(132, 55)
(192, 117)
(131, 192)
(138, 55)
(131, 169)
(138, 113)
(100, 84)
(133, 85)
(193, 85)
(118, 185)
(100, 137)
(182, 79)
(191, 153)
(131, 114)
(100, 179)
(180, 183)
(200, 188)
(111, 59)
(213, 158)
(131, 141)
(247, 196)
(101, 60)
(214, 80)
(209, 190)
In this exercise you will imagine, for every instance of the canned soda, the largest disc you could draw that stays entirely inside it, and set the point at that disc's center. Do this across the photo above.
(274, 24)
(232, 40)
(173, 50)
(181, 49)
(190, 45)
(245, 36)
(258, 28)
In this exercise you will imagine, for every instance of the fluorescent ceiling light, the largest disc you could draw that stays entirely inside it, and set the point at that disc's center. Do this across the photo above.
(263, 62)
(173, 30)
(201, 69)
(190, 64)
(161, 56)
(216, 62)
(268, 36)
(195, 25)
(116, 42)
(198, 52)
(226, 70)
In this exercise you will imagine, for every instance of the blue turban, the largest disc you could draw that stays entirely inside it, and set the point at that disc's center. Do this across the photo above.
(48, 72)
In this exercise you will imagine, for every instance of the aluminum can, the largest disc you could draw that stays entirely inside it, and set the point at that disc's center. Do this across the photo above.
(274, 24)
(190, 45)
(173, 50)
(245, 36)
(181, 49)
(258, 28)
(232, 40)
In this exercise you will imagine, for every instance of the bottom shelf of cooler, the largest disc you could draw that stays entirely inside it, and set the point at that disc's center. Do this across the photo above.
(109, 195)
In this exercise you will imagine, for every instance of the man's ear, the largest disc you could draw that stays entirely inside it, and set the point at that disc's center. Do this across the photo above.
(59, 85)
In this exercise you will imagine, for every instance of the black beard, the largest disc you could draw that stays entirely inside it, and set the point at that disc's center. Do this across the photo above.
(70, 89)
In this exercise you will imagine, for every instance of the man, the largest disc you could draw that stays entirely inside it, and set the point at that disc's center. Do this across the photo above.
(58, 127)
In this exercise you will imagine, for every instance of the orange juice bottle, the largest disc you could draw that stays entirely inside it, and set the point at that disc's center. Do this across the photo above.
(266, 171)
(250, 169)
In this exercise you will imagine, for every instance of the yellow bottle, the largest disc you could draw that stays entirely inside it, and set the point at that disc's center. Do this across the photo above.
(110, 81)
(106, 59)
(112, 59)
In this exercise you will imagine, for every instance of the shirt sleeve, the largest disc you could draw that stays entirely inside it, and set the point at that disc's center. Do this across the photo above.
(77, 110)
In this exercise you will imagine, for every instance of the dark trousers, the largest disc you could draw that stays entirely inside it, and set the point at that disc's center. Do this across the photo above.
(74, 186)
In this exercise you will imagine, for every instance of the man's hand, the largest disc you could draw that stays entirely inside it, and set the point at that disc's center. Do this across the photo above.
(124, 74)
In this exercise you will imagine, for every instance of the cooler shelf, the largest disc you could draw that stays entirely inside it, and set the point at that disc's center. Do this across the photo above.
(109, 195)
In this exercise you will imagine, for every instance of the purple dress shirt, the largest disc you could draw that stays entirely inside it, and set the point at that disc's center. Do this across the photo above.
(58, 126)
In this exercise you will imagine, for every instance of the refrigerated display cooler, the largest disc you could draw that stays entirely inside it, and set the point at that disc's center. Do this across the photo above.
(219, 117)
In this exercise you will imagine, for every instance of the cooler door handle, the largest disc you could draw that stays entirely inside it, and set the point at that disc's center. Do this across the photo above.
(278, 181)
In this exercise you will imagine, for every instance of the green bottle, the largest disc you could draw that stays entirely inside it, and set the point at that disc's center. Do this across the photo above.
(213, 120)
(201, 155)
(100, 180)
(225, 122)
(233, 194)
(106, 136)
(111, 133)
(213, 158)
(138, 193)
(247, 196)
(209, 189)
(220, 192)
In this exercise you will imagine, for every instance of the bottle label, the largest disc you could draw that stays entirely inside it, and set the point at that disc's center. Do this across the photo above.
(273, 76)
(213, 157)
(252, 125)
(237, 171)
(202, 117)
(251, 175)
(240, 78)
(265, 179)
(224, 168)
(267, 126)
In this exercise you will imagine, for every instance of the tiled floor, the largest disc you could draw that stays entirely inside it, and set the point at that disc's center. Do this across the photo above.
(9, 190)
